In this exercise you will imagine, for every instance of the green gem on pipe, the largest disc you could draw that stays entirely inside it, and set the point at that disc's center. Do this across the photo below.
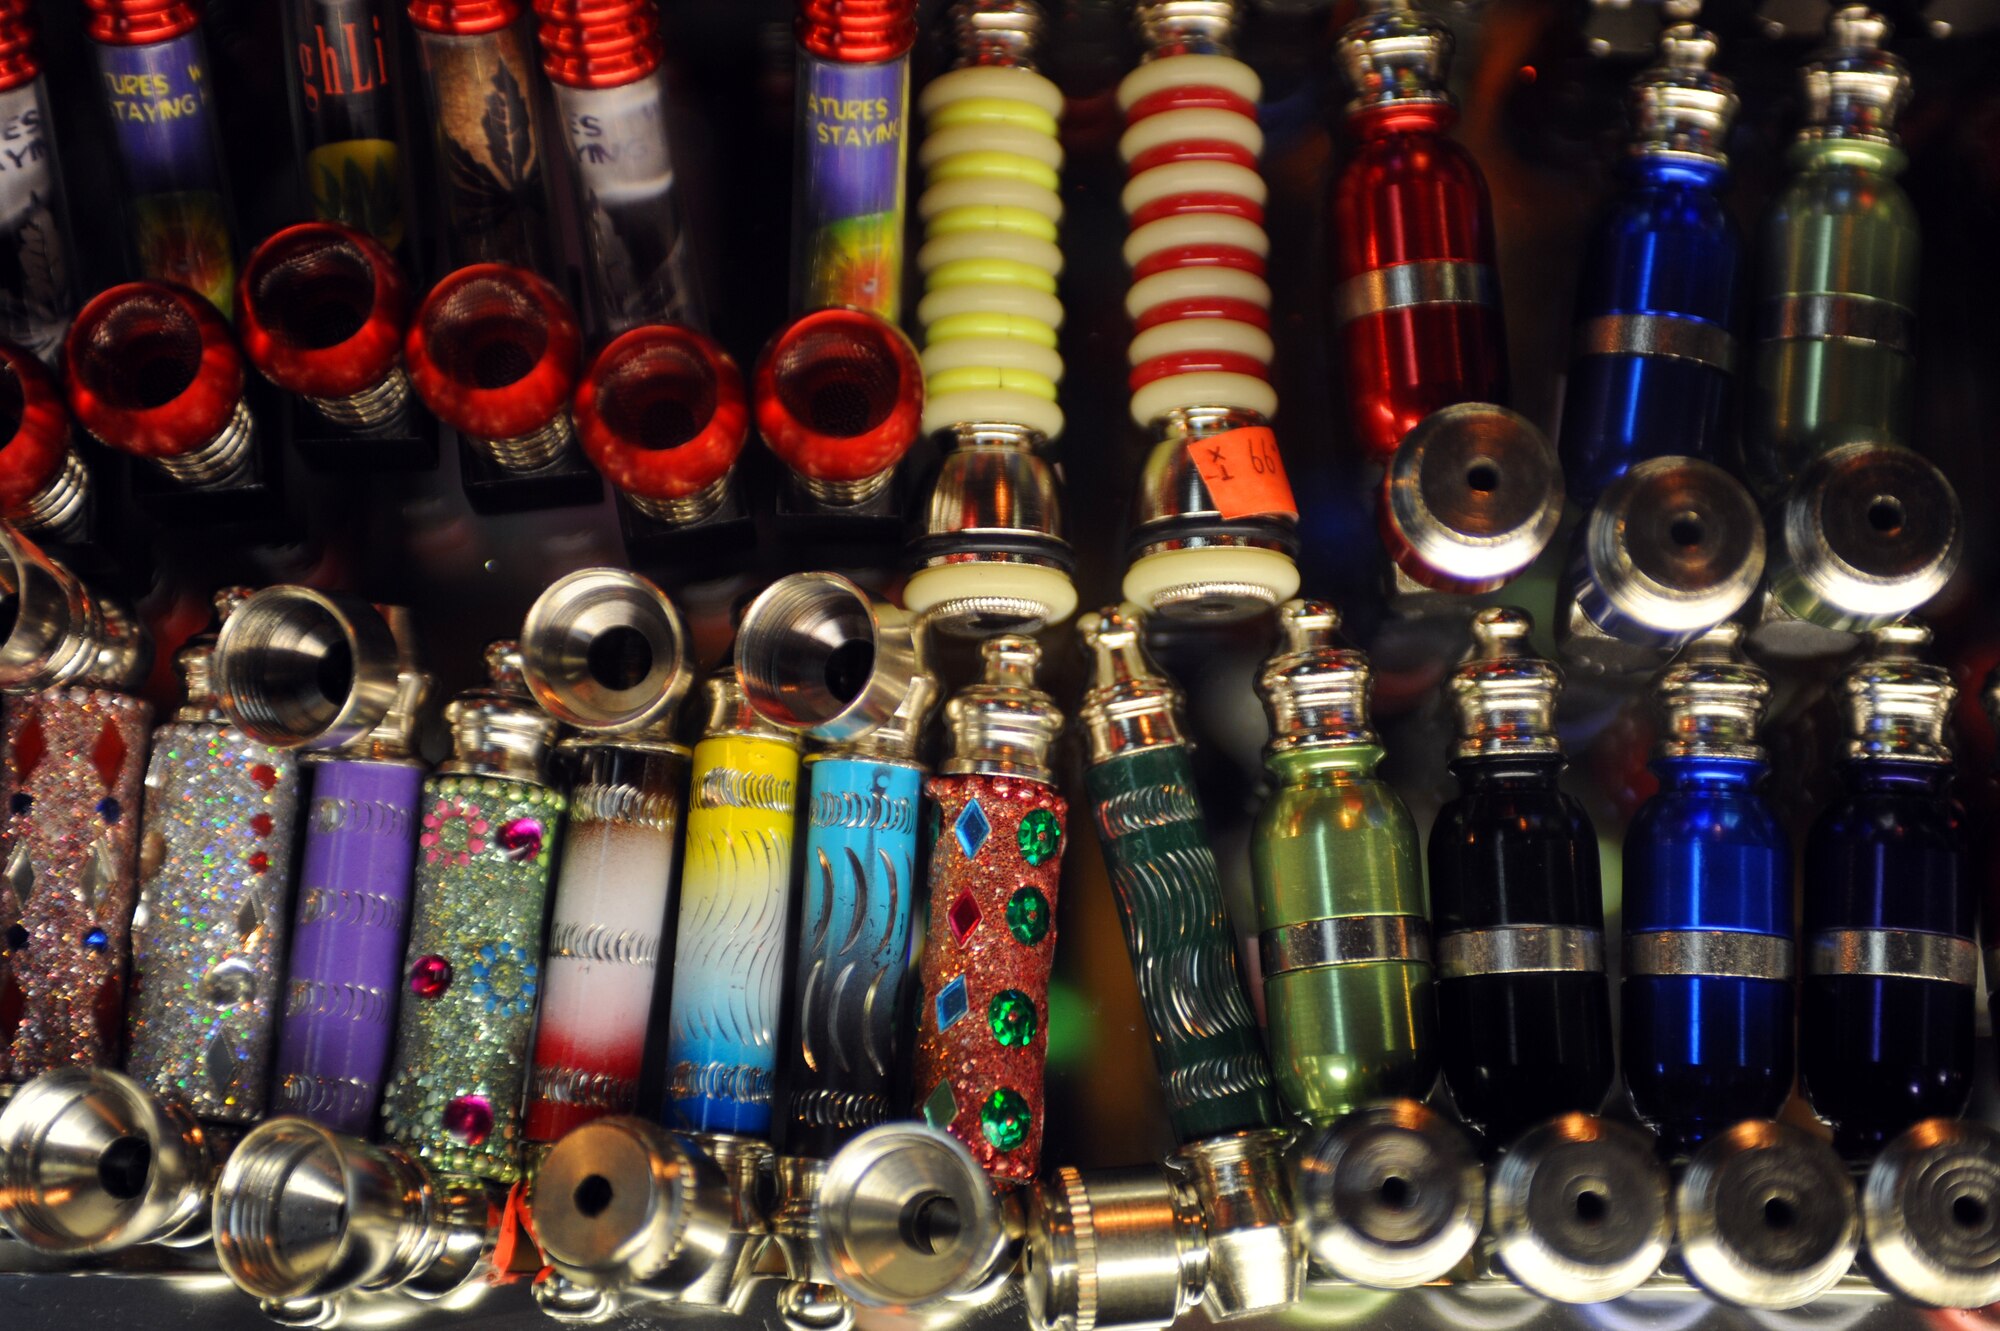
(1011, 1014)
(1028, 916)
(1040, 836)
(940, 1106)
(1005, 1118)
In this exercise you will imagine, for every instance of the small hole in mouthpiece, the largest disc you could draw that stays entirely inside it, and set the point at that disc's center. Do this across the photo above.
(1483, 477)
(931, 1224)
(1780, 1213)
(1885, 515)
(335, 672)
(619, 658)
(1687, 530)
(1969, 1211)
(1590, 1207)
(847, 669)
(124, 1167)
(592, 1196)
(1395, 1192)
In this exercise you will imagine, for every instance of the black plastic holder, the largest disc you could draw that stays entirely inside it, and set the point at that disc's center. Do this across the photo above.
(568, 482)
(412, 445)
(690, 550)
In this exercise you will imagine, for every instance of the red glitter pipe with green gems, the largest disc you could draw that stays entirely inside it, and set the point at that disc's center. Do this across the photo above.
(73, 757)
(982, 1034)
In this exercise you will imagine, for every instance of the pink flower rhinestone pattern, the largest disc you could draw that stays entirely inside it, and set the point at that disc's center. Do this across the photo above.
(454, 831)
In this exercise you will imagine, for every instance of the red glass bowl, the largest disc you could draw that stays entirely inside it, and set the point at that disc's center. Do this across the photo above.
(322, 309)
(153, 369)
(493, 351)
(662, 412)
(839, 395)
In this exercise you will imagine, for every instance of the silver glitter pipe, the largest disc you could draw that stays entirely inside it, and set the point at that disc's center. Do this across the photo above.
(214, 899)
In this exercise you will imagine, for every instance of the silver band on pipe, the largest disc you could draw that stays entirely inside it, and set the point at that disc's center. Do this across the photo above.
(1905, 953)
(1666, 335)
(1399, 286)
(1345, 940)
(1835, 318)
(1519, 949)
(1717, 952)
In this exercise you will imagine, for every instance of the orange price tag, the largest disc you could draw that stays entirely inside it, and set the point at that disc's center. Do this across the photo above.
(1244, 473)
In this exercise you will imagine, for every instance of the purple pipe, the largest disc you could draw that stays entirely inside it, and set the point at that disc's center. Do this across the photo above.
(347, 943)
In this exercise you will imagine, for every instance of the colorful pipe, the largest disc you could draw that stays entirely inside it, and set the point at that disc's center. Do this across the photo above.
(344, 90)
(157, 84)
(991, 555)
(1203, 546)
(41, 292)
(485, 100)
(473, 968)
(982, 1029)
(847, 188)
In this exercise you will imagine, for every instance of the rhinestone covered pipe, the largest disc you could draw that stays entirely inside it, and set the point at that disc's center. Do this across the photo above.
(1200, 306)
(166, 133)
(603, 62)
(322, 310)
(155, 373)
(982, 1027)
(1524, 1009)
(729, 953)
(473, 964)
(1891, 966)
(1654, 352)
(1339, 882)
(1140, 781)
(345, 89)
(37, 297)
(44, 483)
(991, 210)
(614, 886)
(72, 766)
(215, 899)
(484, 95)
(75, 764)
(847, 184)
(1417, 296)
(1706, 1038)
(1837, 266)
